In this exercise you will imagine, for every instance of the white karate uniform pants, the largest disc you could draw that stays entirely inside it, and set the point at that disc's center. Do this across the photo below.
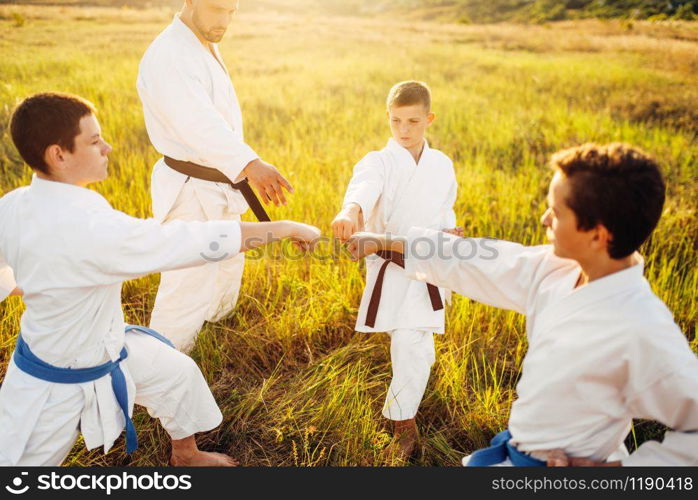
(412, 354)
(168, 383)
(188, 297)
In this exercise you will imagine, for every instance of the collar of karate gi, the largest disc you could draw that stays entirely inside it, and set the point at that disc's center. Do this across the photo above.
(609, 285)
(79, 194)
(187, 34)
(393, 145)
(620, 280)
(183, 30)
(587, 296)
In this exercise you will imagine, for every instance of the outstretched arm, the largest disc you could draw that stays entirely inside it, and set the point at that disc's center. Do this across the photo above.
(118, 247)
(256, 234)
(494, 272)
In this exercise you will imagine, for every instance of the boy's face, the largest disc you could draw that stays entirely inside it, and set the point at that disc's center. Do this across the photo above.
(560, 222)
(409, 123)
(88, 161)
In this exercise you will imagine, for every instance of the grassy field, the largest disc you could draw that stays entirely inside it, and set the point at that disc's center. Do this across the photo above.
(297, 386)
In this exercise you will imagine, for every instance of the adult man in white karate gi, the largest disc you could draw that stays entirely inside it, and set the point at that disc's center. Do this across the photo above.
(69, 252)
(603, 349)
(194, 120)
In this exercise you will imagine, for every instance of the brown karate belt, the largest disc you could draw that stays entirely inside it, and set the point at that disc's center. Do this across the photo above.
(214, 175)
(398, 259)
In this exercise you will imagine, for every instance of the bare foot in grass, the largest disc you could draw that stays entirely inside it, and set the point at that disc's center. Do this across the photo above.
(204, 459)
(185, 453)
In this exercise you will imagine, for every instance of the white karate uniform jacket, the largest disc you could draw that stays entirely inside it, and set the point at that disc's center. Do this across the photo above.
(598, 355)
(191, 114)
(70, 251)
(395, 193)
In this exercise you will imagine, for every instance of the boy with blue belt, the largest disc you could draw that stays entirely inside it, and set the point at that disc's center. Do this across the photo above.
(602, 347)
(78, 368)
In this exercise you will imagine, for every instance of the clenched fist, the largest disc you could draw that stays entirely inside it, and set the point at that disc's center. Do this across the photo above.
(348, 221)
(304, 236)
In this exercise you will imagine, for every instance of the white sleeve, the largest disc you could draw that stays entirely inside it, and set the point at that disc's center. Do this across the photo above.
(447, 220)
(673, 401)
(125, 247)
(494, 272)
(448, 214)
(366, 184)
(7, 279)
(665, 388)
(176, 97)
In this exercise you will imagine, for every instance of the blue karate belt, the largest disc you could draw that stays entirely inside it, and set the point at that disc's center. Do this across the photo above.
(29, 363)
(499, 451)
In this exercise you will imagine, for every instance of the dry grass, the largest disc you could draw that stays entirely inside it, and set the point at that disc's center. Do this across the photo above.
(296, 385)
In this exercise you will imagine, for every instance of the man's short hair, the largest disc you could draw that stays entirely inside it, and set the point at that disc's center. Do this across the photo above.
(409, 93)
(616, 185)
(45, 119)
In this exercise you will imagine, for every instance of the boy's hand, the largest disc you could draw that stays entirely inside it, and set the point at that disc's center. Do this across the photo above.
(457, 231)
(305, 237)
(347, 222)
(558, 458)
(363, 244)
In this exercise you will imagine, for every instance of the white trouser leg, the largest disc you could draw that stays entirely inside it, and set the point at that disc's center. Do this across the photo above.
(53, 434)
(188, 297)
(226, 288)
(182, 303)
(506, 463)
(168, 383)
(171, 387)
(412, 353)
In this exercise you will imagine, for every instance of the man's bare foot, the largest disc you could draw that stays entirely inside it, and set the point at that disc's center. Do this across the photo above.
(204, 459)
(185, 453)
(405, 440)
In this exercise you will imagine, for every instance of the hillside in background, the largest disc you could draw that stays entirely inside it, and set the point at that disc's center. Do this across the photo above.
(465, 11)
(484, 11)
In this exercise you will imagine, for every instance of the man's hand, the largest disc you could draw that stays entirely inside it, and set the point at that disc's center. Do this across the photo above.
(348, 221)
(267, 181)
(457, 231)
(558, 458)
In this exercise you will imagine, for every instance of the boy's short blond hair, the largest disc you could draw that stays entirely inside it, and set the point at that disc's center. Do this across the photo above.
(409, 93)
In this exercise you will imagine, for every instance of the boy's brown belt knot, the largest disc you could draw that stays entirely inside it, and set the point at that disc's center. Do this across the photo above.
(398, 259)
